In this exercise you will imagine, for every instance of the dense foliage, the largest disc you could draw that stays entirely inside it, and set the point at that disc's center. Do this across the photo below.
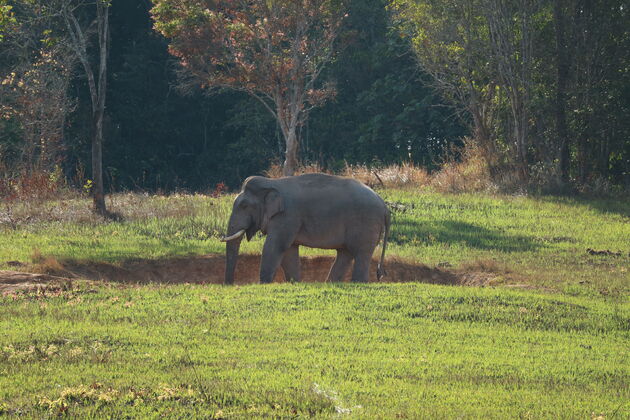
(541, 86)
(6, 17)
(159, 137)
(545, 83)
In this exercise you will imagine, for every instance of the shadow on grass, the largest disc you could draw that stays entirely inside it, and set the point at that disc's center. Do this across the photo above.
(454, 232)
(620, 206)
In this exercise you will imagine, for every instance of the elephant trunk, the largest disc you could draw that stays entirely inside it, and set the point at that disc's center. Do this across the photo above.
(231, 255)
(232, 239)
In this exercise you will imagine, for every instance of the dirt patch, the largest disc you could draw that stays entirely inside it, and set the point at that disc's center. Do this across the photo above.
(17, 281)
(210, 270)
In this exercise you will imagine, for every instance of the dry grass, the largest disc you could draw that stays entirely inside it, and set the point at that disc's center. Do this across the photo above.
(468, 173)
(75, 208)
(43, 264)
(275, 170)
(36, 256)
(50, 266)
(484, 265)
(394, 176)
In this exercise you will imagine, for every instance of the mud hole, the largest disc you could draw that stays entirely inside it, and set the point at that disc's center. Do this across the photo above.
(210, 270)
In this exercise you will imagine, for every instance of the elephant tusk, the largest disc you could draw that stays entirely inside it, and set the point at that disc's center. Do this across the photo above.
(236, 235)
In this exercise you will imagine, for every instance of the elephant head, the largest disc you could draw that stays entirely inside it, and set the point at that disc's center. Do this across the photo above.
(258, 201)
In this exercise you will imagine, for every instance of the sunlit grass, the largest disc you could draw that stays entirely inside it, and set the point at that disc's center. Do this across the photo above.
(543, 241)
(313, 350)
(326, 350)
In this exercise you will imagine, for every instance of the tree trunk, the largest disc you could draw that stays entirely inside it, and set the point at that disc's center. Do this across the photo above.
(582, 156)
(99, 109)
(483, 137)
(520, 135)
(98, 193)
(561, 79)
(98, 88)
(290, 154)
(521, 151)
(604, 156)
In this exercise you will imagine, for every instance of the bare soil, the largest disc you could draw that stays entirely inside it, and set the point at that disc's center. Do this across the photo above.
(17, 281)
(210, 270)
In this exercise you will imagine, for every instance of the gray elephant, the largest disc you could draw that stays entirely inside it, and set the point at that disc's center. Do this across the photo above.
(314, 210)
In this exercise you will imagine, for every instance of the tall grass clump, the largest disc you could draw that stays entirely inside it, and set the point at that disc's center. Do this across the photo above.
(24, 196)
(470, 172)
(275, 170)
(466, 170)
(406, 174)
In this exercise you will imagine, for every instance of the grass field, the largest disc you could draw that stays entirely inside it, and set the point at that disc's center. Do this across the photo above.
(557, 346)
(541, 241)
(316, 350)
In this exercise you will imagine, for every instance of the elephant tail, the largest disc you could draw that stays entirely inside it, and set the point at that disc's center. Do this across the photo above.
(380, 271)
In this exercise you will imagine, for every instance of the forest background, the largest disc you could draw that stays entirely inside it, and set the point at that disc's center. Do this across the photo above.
(538, 89)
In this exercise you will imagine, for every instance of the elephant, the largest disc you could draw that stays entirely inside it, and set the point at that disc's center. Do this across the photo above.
(313, 210)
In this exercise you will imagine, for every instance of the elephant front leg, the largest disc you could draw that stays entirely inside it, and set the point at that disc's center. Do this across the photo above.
(291, 264)
(272, 255)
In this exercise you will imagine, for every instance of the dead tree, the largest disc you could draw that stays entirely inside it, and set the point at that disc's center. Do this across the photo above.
(97, 85)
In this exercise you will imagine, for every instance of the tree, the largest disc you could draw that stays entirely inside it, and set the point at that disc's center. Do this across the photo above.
(274, 51)
(512, 34)
(481, 55)
(384, 111)
(451, 43)
(36, 71)
(381, 112)
(6, 17)
(562, 73)
(78, 36)
(38, 98)
(598, 96)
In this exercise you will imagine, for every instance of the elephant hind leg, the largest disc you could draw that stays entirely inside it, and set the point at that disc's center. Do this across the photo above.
(291, 264)
(340, 266)
(361, 269)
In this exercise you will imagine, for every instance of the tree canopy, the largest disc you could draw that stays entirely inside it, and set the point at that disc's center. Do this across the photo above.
(528, 74)
(274, 51)
(541, 86)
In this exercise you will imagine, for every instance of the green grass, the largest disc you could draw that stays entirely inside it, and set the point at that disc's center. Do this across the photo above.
(313, 350)
(152, 227)
(325, 350)
(541, 241)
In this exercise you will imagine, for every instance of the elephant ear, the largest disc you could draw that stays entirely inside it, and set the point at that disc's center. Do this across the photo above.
(269, 197)
(274, 204)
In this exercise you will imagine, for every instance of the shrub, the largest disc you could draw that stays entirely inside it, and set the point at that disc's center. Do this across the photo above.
(42, 185)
